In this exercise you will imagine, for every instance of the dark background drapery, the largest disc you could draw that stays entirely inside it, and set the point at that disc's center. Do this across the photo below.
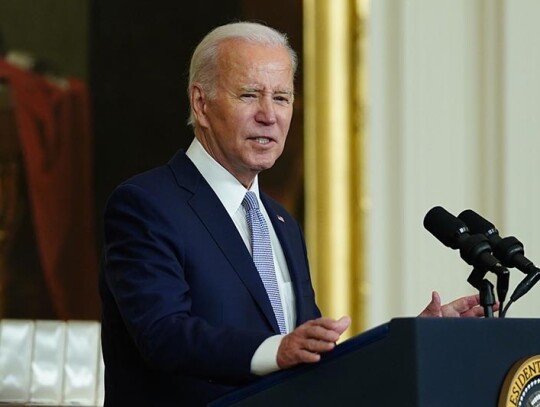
(133, 57)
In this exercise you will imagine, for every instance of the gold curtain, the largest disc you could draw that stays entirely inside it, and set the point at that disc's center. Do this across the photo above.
(334, 135)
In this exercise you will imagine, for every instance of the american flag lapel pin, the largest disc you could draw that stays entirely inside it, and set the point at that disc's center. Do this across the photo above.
(280, 218)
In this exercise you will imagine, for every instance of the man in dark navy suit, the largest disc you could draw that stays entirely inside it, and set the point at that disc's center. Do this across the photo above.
(187, 316)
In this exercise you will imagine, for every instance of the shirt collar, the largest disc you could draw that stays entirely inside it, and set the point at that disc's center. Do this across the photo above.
(228, 189)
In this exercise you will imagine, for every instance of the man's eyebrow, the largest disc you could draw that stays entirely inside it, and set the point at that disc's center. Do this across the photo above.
(250, 88)
(283, 91)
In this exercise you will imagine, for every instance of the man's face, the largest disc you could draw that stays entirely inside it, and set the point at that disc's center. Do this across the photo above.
(245, 125)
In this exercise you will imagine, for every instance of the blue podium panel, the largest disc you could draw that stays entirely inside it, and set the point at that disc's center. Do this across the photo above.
(413, 362)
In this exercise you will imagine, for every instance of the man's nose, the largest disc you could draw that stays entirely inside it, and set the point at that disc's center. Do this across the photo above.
(266, 113)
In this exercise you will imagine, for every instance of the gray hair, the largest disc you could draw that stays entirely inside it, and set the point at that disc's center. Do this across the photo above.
(204, 60)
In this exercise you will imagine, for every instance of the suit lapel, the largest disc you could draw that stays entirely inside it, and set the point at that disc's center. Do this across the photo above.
(217, 221)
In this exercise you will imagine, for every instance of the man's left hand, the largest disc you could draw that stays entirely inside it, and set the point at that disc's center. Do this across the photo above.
(468, 306)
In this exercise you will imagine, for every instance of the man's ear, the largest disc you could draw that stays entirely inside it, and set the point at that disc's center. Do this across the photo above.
(199, 101)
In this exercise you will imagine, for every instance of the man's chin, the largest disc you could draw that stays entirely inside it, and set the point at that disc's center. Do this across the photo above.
(256, 169)
(264, 161)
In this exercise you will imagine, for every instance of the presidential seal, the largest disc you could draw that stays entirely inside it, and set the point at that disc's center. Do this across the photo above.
(521, 387)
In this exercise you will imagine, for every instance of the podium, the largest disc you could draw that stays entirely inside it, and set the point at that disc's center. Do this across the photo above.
(412, 362)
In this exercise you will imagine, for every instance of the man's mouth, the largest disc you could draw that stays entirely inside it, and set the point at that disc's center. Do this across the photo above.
(262, 140)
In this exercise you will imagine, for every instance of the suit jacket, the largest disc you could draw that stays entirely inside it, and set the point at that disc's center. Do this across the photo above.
(184, 308)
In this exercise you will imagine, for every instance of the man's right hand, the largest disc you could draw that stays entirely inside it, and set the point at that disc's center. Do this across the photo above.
(309, 340)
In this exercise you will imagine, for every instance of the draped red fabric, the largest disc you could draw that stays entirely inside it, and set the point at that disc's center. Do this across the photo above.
(54, 131)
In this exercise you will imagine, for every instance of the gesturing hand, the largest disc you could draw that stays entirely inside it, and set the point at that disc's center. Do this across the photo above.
(306, 342)
(468, 306)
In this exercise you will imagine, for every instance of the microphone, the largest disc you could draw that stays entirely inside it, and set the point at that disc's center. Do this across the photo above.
(509, 249)
(473, 248)
(454, 233)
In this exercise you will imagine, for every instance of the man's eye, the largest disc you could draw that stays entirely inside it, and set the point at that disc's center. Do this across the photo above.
(248, 96)
(282, 99)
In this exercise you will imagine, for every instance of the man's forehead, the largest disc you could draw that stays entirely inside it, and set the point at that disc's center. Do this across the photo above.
(247, 52)
(256, 66)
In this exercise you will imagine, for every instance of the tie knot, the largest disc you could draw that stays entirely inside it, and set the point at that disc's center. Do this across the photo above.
(250, 201)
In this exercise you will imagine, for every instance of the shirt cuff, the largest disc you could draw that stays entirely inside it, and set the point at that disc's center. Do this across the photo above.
(264, 360)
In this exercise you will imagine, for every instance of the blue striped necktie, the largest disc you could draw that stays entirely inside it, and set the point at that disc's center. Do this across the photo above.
(261, 250)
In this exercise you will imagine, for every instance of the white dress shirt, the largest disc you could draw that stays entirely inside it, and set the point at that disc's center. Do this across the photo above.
(231, 194)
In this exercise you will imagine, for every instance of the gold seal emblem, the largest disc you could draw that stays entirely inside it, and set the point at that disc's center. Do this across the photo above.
(521, 387)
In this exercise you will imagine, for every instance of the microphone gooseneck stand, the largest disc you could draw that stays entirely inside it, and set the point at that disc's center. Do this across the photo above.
(523, 287)
(485, 289)
(487, 298)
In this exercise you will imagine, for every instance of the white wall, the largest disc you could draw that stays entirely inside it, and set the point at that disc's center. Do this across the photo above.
(453, 120)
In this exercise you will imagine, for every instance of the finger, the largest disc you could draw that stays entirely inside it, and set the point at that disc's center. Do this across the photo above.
(464, 304)
(305, 356)
(317, 326)
(316, 346)
(475, 312)
(343, 324)
(286, 360)
(329, 323)
(436, 300)
(433, 309)
(319, 333)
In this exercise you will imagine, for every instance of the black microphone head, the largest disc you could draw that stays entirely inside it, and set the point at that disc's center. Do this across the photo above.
(478, 224)
(445, 226)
